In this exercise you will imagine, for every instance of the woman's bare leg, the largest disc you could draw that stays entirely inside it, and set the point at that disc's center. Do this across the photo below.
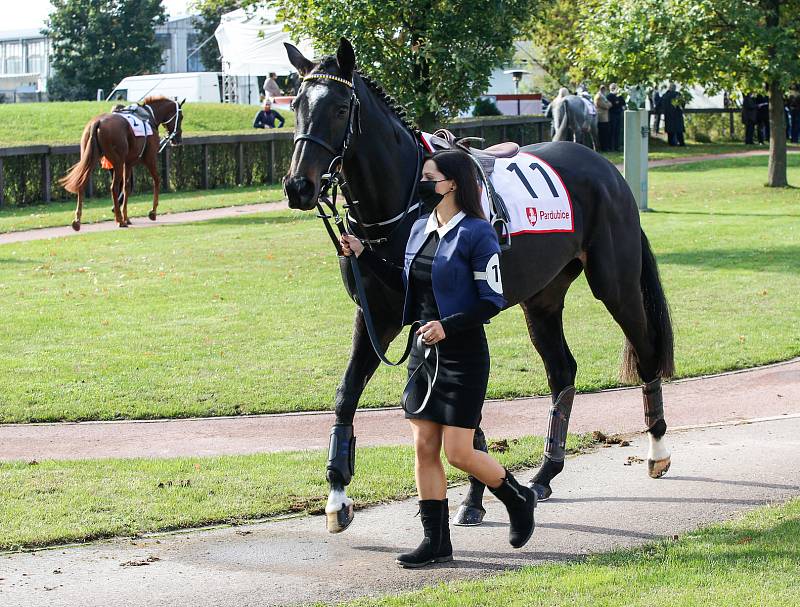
(460, 453)
(429, 471)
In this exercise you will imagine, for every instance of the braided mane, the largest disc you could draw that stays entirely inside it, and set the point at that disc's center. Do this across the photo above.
(390, 102)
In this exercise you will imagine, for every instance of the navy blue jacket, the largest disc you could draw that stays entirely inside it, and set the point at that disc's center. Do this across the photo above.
(466, 267)
(266, 120)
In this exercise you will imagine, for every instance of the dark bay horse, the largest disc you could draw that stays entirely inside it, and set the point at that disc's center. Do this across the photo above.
(111, 136)
(341, 112)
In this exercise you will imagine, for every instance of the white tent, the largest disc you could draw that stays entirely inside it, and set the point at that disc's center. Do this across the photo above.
(251, 43)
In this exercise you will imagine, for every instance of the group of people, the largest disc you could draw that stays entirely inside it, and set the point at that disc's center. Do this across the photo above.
(755, 116)
(611, 104)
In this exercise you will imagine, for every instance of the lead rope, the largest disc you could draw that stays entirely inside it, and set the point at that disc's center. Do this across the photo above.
(331, 181)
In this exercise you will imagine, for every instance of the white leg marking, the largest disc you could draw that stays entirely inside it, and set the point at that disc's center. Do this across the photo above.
(658, 449)
(336, 499)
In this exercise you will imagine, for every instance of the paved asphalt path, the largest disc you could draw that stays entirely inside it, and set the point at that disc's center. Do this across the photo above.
(769, 391)
(204, 215)
(600, 503)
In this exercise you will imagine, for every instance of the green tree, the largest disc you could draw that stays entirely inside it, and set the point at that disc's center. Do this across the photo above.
(745, 45)
(553, 29)
(434, 56)
(96, 43)
(209, 13)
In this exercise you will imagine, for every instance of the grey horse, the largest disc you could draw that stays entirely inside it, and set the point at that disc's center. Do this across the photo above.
(572, 119)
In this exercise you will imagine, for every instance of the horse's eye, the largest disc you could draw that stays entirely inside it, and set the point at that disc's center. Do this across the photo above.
(342, 112)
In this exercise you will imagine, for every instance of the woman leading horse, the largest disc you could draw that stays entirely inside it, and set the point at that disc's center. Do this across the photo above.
(341, 114)
(448, 284)
(110, 135)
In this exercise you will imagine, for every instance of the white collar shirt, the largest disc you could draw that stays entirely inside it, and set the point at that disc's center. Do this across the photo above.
(433, 224)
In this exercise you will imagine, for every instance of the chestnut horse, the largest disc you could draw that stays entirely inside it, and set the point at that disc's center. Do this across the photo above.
(111, 136)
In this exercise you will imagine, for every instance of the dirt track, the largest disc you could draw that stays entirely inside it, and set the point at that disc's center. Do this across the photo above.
(768, 391)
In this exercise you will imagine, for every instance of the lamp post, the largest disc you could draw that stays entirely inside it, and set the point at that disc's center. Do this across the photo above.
(516, 75)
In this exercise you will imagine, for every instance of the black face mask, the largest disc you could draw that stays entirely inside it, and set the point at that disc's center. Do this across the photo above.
(428, 196)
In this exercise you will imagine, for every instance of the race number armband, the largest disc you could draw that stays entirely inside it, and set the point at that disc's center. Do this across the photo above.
(491, 274)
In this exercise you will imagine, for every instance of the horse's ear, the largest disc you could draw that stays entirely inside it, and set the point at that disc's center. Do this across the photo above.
(346, 58)
(182, 102)
(296, 58)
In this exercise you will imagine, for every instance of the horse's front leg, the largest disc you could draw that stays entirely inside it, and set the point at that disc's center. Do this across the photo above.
(342, 450)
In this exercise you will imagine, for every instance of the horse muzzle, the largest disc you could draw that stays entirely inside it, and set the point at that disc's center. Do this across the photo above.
(301, 192)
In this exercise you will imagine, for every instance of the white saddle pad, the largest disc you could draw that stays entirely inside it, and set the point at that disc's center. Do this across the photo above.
(535, 196)
(140, 127)
(591, 108)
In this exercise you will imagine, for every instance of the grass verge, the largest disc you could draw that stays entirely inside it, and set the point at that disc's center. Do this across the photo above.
(63, 122)
(54, 214)
(750, 561)
(54, 502)
(248, 314)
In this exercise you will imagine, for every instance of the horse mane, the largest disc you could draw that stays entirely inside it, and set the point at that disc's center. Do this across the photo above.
(153, 98)
(395, 108)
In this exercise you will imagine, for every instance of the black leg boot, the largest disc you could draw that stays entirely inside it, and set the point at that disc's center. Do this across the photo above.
(520, 502)
(435, 546)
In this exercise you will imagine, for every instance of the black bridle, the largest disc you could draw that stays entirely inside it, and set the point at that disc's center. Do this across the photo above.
(332, 182)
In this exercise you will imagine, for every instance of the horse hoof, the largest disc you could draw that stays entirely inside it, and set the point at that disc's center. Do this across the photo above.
(122, 224)
(152, 215)
(657, 468)
(469, 516)
(340, 520)
(543, 492)
(76, 225)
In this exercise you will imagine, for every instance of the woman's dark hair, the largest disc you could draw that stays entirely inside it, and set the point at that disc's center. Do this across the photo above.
(456, 165)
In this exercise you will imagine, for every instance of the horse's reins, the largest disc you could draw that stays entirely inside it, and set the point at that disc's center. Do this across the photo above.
(333, 182)
(165, 141)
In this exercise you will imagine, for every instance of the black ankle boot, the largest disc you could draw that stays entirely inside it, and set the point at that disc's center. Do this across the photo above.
(435, 546)
(520, 502)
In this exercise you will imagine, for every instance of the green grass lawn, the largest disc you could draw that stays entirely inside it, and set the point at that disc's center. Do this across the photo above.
(248, 314)
(63, 122)
(659, 150)
(54, 502)
(749, 561)
(13, 219)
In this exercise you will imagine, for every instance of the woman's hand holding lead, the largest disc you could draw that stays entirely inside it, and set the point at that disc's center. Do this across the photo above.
(432, 332)
(350, 244)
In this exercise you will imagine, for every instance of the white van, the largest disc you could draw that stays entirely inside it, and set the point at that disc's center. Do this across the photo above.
(193, 86)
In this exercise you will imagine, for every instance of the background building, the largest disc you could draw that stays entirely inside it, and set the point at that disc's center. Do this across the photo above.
(25, 58)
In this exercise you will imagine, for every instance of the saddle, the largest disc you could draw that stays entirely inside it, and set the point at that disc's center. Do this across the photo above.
(484, 162)
(143, 113)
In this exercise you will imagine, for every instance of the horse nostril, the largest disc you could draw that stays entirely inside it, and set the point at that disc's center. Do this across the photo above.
(300, 191)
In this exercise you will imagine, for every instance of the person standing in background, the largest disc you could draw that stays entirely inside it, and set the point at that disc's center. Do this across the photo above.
(794, 113)
(749, 118)
(655, 106)
(762, 118)
(603, 127)
(615, 117)
(672, 107)
(271, 88)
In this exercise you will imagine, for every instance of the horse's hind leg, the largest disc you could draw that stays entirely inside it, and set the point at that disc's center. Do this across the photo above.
(76, 223)
(342, 450)
(116, 194)
(632, 293)
(543, 313)
(127, 184)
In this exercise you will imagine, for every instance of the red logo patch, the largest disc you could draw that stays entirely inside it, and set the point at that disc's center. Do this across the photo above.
(532, 215)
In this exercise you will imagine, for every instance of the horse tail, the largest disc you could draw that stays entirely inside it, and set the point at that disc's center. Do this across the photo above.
(562, 121)
(658, 320)
(78, 175)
